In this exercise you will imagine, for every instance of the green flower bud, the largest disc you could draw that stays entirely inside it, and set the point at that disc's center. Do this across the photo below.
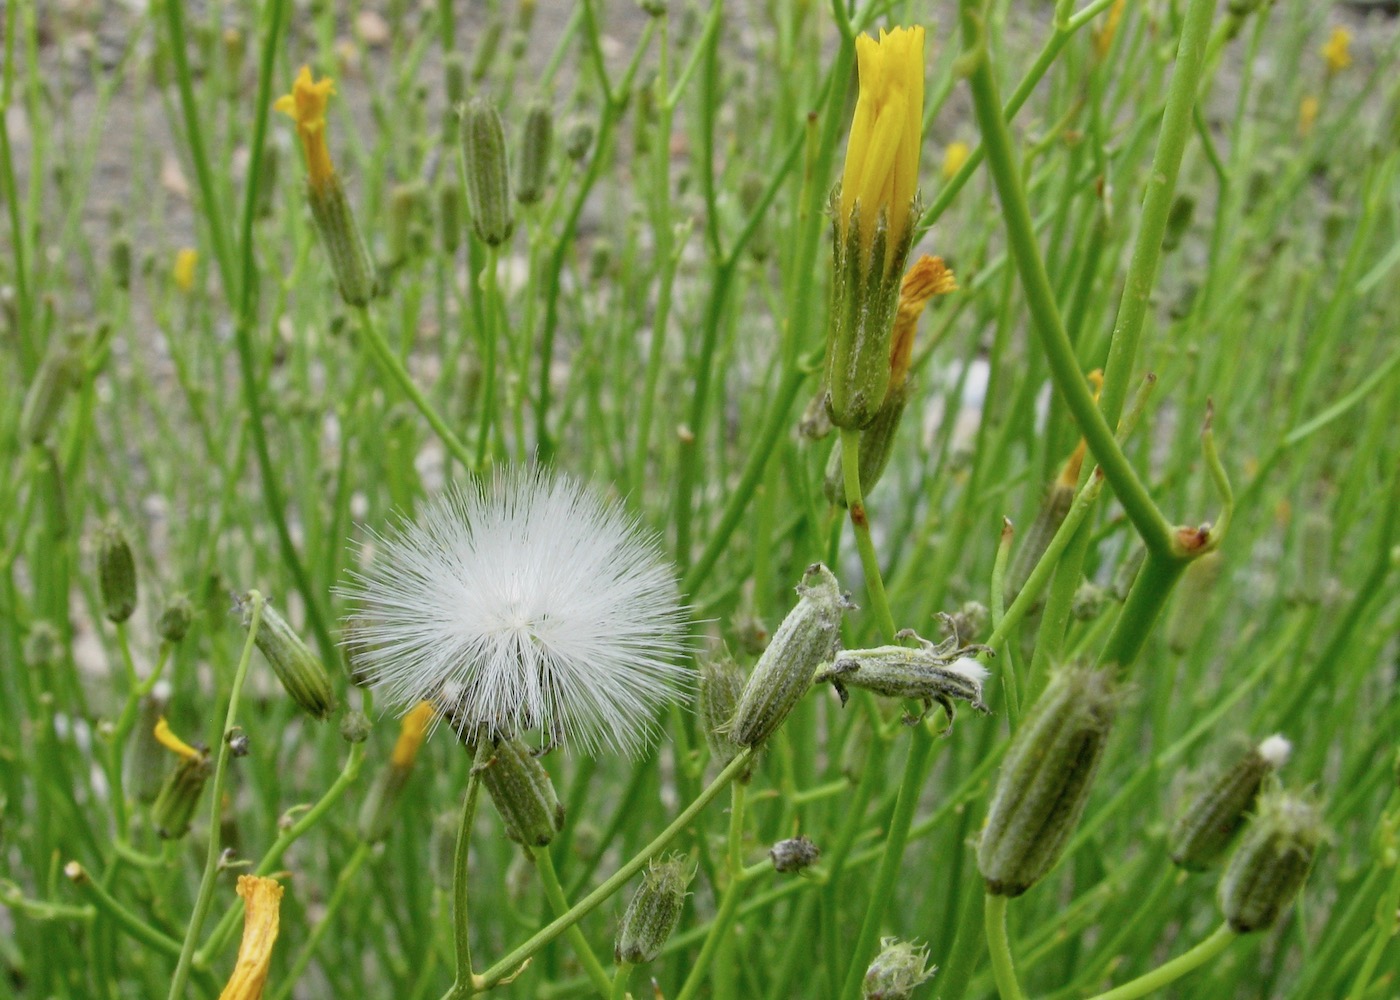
(579, 140)
(532, 170)
(454, 78)
(1271, 863)
(380, 805)
(355, 727)
(488, 41)
(116, 573)
(340, 235)
(43, 646)
(449, 217)
(405, 208)
(145, 757)
(488, 174)
(1193, 601)
(300, 672)
(1045, 780)
(175, 619)
(1178, 220)
(1089, 602)
(815, 423)
(523, 793)
(876, 447)
(59, 374)
(794, 854)
(721, 684)
(809, 637)
(1210, 820)
(179, 795)
(119, 261)
(896, 971)
(654, 911)
(931, 673)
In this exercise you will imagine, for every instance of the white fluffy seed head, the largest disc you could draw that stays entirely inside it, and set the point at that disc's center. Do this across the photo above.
(525, 604)
(1275, 750)
(968, 667)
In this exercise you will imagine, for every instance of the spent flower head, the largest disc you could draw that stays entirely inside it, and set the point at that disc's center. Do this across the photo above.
(527, 603)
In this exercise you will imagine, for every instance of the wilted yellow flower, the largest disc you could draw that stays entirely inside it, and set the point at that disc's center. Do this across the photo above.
(166, 737)
(412, 732)
(1337, 50)
(306, 105)
(954, 157)
(928, 277)
(1069, 472)
(882, 154)
(1103, 37)
(1307, 115)
(262, 903)
(185, 260)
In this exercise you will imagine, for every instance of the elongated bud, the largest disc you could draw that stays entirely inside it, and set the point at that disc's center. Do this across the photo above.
(1045, 780)
(300, 672)
(523, 793)
(532, 170)
(488, 42)
(808, 637)
(405, 207)
(175, 618)
(454, 77)
(340, 235)
(876, 446)
(578, 140)
(119, 261)
(1126, 573)
(179, 795)
(1178, 220)
(145, 756)
(721, 684)
(449, 217)
(653, 912)
(1210, 820)
(897, 971)
(116, 573)
(377, 813)
(59, 374)
(1193, 602)
(930, 674)
(1054, 508)
(1271, 863)
(488, 174)
(794, 854)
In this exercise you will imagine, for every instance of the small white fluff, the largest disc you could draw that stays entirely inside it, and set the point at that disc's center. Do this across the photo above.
(968, 667)
(1275, 750)
(526, 604)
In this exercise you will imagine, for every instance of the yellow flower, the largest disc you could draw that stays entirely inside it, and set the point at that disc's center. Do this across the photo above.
(412, 731)
(166, 737)
(306, 105)
(1069, 472)
(185, 261)
(882, 154)
(1103, 37)
(928, 277)
(262, 902)
(953, 159)
(1337, 50)
(1307, 115)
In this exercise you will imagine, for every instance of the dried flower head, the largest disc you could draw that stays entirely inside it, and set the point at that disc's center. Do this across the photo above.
(523, 604)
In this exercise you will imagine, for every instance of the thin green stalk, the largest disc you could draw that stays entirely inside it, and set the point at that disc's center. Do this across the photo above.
(1175, 969)
(620, 981)
(211, 857)
(332, 910)
(464, 985)
(554, 892)
(733, 894)
(1003, 970)
(860, 523)
(491, 289)
(617, 880)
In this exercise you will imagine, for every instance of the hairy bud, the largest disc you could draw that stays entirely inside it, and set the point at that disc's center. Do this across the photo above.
(653, 912)
(524, 794)
(1271, 863)
(1211, 819)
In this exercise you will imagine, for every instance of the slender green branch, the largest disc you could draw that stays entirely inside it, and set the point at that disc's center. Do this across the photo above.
(620, 981)
(860, 523)
(1003, 970)
(554, 892)
(464, 985)
(733, 894)
(1175, 969)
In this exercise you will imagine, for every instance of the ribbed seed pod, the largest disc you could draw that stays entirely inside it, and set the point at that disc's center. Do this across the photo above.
(653, 912)
(406, 203)
(301, 673)
(808, 637)
(532, 169)
(1211, 819)
(579, 140)
(931, 673)
(488, 173)
(1045, 780)
(721, 684)
(116, 573)
(59, 374)
(1271, 863)
(175, 618)
(340, 235)
(179, 795)
(449, 217)
(876, 446)
(524, 794)
(1054, 508)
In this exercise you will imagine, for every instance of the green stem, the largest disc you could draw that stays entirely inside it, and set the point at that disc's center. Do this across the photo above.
(492, 296)
(619, 983)
(391, 366)
(308, 950)
(465, 984)
(733, 893)
(554, 892)
(617, 880)
(1149, 594)
(211, 857)
(994, 921)
(1175, 969)
(860, 522)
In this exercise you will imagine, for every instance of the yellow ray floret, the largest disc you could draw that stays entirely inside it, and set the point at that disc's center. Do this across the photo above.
(166, 737)
(262, 903)
(186, 259)
(412, 731)
(1337, 50)
(928, 277)
(306, 105)
(882, 155)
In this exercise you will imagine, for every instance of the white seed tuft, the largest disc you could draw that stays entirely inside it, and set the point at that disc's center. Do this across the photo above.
(526, 604)
(1275, 749)
(968, 667)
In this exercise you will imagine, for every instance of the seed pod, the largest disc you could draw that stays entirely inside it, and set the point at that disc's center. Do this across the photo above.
(579, 140)
(175, 619)
(449, 217)
(532, 170)
(876, 447)
(1271, 863)
(179, 795)
(355, 727)
(300, 672)
(405, 206)
(119, 261)
(487, 43)
(454, 78)
(1045, 780)
(377, 813)
(794, 854)
(59, 374)
(116, 573)
(523, 793)
(1193, 601)
(340, 235)
(721, 684)
(932, 673)
(653, 912)
(145, 757)
(809, 636)
(896, 971)
(488, 174)
(1210, 820)
(1054, 508)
